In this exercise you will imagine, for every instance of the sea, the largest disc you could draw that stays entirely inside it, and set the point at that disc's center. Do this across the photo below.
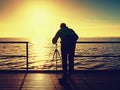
(101, 53)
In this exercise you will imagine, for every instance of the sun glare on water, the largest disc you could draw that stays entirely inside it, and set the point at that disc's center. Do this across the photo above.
(39, 52)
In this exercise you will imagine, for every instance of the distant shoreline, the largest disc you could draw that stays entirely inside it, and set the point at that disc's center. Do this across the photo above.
(14, 39)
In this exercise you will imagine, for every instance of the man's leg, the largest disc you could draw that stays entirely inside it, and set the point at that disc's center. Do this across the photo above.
(64, 62)
(71, 59)
(71, 62)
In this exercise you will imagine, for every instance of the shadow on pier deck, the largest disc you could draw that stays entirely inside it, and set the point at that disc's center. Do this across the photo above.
(97, 80)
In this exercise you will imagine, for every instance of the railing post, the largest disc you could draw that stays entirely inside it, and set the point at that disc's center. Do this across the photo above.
(27, 56)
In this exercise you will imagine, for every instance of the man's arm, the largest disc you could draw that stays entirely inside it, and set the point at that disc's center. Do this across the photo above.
(75, 35)
(54, 40)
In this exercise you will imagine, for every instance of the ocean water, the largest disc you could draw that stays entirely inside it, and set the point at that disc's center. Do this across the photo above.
(88, 56)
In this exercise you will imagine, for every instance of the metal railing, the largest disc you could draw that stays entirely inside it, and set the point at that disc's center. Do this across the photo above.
(18, 42)
(81, 42)
(98, 42)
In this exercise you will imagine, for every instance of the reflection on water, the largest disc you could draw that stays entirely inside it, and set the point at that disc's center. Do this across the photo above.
(41, 53)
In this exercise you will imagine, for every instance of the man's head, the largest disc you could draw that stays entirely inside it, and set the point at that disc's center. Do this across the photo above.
(63, 25)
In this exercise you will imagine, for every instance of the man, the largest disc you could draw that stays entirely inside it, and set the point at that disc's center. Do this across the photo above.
(68, 42)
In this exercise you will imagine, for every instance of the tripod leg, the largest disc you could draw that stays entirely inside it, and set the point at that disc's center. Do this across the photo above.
(55, 57)
(59, 55)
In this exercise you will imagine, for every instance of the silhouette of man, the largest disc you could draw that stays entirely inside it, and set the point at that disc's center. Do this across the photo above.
(68, 42)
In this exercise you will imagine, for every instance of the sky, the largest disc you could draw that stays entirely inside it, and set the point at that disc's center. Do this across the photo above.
(42, 18)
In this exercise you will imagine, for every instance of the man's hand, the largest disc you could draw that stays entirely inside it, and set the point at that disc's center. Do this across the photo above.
(54, 41)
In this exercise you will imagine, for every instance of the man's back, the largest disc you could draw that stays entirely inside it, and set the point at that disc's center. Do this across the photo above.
(67, 34)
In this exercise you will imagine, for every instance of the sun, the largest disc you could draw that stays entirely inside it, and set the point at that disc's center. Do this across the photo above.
(39, 19)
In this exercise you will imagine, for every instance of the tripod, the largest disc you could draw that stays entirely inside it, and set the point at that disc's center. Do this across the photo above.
(55, 55)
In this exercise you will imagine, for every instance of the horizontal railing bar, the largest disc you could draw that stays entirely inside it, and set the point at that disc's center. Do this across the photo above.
(98, 42)
(96, 56)
(76, 42)
(12, 56)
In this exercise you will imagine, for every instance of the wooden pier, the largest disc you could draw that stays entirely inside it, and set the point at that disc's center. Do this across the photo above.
(49, 81)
